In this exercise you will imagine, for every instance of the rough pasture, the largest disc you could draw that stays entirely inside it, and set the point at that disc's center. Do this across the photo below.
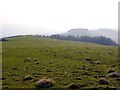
(27, 59)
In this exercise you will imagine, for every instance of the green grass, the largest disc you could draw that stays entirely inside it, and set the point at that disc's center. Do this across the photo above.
(62, 61)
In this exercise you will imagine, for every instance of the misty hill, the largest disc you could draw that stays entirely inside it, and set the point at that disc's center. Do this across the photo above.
(98, 40)
(78, 32)
(109, 33)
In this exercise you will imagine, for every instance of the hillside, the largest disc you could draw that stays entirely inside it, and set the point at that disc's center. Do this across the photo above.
(69, 64)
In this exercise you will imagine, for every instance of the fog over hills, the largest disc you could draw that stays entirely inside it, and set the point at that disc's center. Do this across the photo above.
(109, 33)
(12, 30)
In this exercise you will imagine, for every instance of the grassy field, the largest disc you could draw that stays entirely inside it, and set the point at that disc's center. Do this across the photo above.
(67, 63)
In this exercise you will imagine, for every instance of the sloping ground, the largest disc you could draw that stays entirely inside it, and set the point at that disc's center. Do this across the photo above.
(69, 64)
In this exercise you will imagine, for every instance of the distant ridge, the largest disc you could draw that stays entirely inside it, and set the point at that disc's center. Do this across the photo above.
(106, 32)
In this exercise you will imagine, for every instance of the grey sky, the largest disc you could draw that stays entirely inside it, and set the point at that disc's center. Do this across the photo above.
(49, 16)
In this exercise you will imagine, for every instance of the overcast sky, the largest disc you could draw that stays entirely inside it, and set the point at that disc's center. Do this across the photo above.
(60, 15)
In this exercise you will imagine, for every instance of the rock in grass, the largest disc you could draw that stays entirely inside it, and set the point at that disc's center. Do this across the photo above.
(88, 59)
(111, 70)
(15, 68)
(3, 78)
(78, 78)
(103, 81)
(55, 55)
(99, 76)
(113, 65)
(91, 62)
(97, 62)
(27, 59)
(76, 86)
(114, 74)
(118, 79)
(28, 77)
(35, 59)
(45, 83)
(37, 63)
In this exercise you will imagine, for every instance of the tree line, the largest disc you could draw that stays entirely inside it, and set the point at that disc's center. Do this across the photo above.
(98, 39)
